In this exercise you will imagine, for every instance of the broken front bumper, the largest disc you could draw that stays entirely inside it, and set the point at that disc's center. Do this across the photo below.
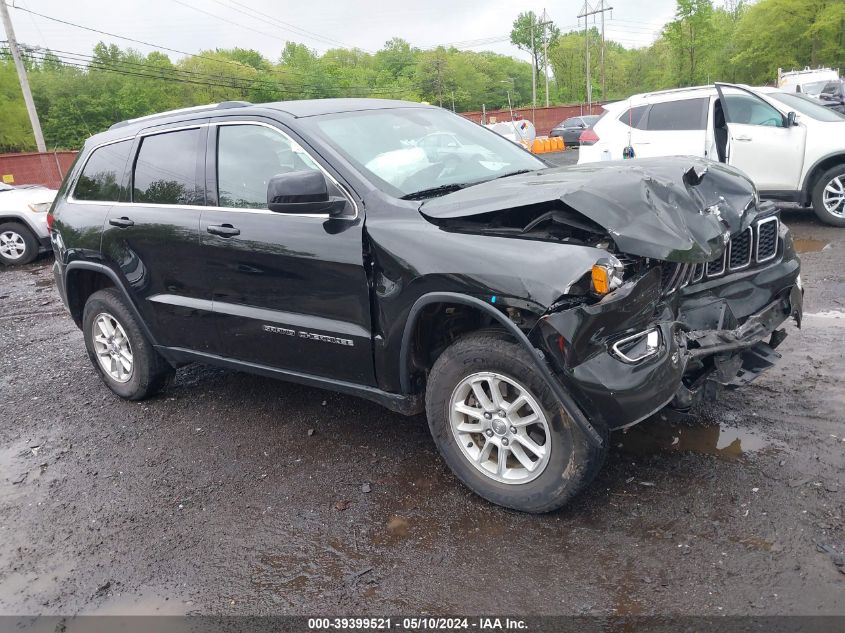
(636, 351)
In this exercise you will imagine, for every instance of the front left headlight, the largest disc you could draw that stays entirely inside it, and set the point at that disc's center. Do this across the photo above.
(39, 207)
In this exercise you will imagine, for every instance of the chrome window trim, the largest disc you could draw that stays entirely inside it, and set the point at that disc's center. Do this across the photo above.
(774, 219)
(322, 216)
(750, 252)
(72, 189)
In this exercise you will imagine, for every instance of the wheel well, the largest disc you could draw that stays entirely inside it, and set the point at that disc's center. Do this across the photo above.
(81, 284)
(4, 219)
(817, 171)
(438, 326)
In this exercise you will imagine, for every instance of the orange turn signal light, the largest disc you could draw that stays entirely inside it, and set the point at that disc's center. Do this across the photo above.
(601, 279)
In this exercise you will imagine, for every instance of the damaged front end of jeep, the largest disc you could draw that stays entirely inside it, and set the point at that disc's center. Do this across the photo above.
(690, 285)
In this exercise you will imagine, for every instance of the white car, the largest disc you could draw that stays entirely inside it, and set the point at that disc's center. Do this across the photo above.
(23, 222)
(791, 146)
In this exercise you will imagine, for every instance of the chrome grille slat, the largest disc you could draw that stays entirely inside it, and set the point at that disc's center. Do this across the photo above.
(756, 244)
(768, 232)
(739, 250)
(717, 266)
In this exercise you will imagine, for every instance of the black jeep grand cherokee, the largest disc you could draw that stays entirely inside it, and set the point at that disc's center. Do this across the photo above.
(401, 253)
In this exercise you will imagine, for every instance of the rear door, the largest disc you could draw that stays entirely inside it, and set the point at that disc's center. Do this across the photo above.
(291, 290)
(153, 238)
(759, 141)
(672, 128)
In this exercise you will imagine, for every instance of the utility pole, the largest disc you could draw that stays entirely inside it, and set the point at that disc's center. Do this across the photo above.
(587, 11)
(27, 94)
(533, 68)
(546, 56)
(602, 51)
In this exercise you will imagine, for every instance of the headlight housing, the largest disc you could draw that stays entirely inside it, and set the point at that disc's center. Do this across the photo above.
(39, 207)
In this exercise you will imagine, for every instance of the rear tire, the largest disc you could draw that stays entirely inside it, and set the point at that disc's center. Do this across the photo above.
(17, 244)
(118, 349)
(564, 461)
(829, 196)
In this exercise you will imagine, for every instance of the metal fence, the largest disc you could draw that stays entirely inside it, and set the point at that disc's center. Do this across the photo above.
(36, 168)
(544, 119)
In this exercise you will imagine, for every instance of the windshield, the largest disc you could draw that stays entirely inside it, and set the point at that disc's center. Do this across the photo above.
(412, 151)
(807, 106)
(814, 87)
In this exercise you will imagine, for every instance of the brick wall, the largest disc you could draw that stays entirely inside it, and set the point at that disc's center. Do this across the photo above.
(544, 119)
(33, 168)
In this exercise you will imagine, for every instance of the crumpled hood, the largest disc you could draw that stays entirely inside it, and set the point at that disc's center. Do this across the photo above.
(675, 208)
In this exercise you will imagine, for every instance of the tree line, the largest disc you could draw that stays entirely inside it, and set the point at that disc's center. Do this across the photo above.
(79, 94)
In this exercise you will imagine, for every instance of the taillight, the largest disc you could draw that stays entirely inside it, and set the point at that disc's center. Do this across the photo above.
(50, 221)
(588, 137)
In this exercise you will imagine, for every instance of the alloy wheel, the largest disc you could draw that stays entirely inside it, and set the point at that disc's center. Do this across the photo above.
(834, 197)
(500, 428)
(12, 245)
(112, 347)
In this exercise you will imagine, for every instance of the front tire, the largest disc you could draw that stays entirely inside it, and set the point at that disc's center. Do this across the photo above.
(829, 196)
(502, 431)
(17, 244)
(118, 349)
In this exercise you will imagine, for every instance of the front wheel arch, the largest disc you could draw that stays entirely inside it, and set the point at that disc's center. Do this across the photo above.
(566, 401)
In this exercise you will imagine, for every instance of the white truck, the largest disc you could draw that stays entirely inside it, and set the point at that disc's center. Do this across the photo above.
(809, 81)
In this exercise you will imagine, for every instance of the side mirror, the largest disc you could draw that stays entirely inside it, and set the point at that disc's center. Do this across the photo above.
(790, 119)
(302, 192)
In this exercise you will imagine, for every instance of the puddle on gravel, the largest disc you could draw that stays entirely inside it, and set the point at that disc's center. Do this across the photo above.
(658, 435)
(143, 603)
(810, 246)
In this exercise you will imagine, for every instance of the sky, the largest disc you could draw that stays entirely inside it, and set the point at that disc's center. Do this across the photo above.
(194, 25)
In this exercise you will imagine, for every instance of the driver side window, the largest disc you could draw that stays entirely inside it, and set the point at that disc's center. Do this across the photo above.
(248, 156)
(749, 110)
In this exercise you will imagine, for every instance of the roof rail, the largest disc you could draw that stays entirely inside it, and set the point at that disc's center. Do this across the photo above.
(223, 105)
(671, 90)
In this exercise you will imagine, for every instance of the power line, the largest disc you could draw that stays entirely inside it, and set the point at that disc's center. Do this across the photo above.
(87, 62)
(165, 48)
(287, 25)
(136, 41)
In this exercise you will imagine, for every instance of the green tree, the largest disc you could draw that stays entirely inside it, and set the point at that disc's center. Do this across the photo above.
(521, 35)
(690, 39)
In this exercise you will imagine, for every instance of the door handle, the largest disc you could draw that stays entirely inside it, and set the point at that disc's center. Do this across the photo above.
(123, 222)
(223, 230)
(742, 137)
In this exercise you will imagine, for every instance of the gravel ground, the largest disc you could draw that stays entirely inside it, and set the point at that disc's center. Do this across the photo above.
(235, 494)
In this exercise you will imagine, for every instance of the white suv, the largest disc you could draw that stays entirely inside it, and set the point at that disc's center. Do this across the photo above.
(23, 222)
(792, 147)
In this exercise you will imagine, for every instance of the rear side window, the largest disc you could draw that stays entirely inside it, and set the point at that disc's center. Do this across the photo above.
(166, 169)
(686, 114)
(635, 117)
(103, 173)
